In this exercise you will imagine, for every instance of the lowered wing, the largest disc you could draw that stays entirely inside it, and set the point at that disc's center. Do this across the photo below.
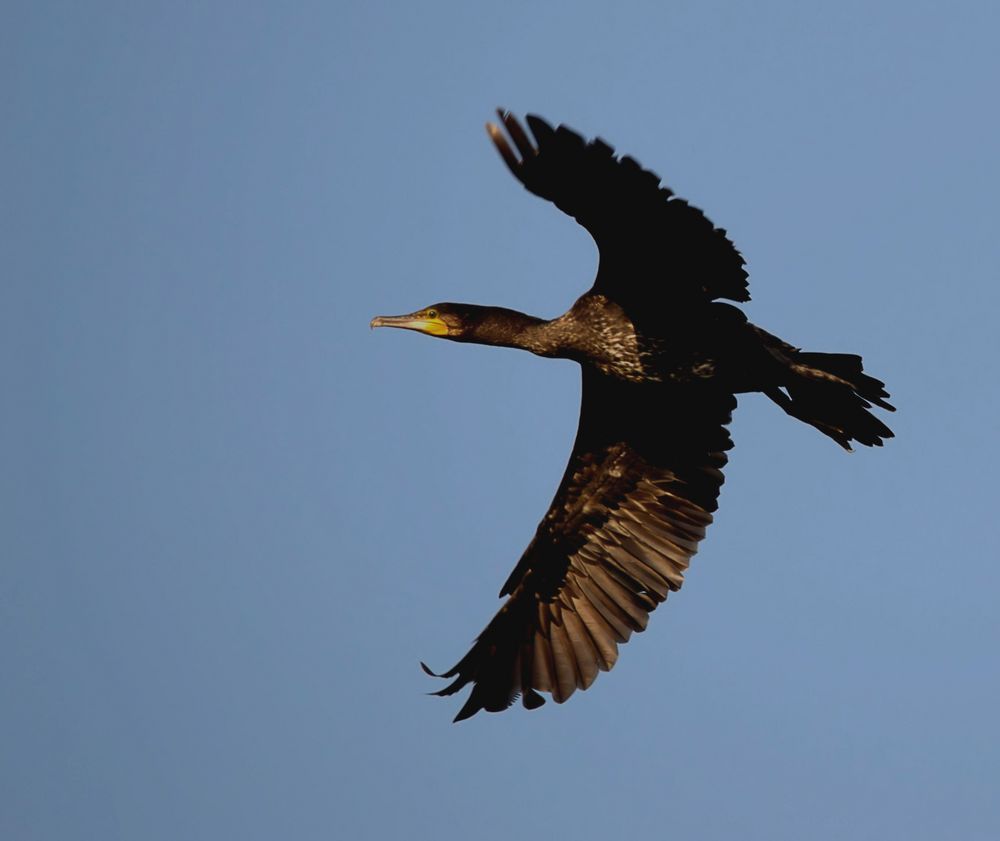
(634, 502)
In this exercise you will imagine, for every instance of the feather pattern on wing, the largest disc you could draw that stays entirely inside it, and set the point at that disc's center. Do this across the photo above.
(637, 495)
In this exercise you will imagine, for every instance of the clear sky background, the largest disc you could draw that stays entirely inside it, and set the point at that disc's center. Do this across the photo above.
(233, 519)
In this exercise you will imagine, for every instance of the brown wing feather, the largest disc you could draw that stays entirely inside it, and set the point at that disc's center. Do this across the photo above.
(655, 248)
(637, 495)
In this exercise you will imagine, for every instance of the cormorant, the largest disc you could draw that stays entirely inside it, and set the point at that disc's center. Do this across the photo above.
(662, 361)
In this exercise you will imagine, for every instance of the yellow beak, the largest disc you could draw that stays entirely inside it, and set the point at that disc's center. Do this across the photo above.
(415, 321)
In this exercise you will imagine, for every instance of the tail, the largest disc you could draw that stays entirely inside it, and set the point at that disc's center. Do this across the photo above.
(832, 392)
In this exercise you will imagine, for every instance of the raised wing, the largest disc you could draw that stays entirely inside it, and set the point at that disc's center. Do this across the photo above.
(655, 248)
(636, 498)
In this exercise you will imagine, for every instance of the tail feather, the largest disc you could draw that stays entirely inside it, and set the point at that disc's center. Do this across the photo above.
(850, 368)
(831, 392)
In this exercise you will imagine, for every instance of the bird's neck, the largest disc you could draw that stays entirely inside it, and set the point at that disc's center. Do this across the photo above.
(510, 328)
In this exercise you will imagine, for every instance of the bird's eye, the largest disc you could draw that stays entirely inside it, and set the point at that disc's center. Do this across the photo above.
(432, 313)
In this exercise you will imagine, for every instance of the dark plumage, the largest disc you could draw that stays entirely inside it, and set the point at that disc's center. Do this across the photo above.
(662, 360)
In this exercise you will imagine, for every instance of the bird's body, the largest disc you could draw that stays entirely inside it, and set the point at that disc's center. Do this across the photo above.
(707, 342)
(662, 358)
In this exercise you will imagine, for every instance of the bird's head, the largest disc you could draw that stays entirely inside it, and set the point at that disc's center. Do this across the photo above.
(441, 320)
(459, 322)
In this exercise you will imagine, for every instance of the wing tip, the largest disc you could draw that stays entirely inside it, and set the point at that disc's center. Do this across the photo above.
(503, 147)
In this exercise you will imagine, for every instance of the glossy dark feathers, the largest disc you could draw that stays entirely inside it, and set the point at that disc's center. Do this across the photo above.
(661, 365)
(656, 249)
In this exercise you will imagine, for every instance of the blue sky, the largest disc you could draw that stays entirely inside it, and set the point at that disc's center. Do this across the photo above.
(233, 519)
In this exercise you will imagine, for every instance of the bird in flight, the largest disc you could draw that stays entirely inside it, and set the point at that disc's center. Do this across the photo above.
(662, 360)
